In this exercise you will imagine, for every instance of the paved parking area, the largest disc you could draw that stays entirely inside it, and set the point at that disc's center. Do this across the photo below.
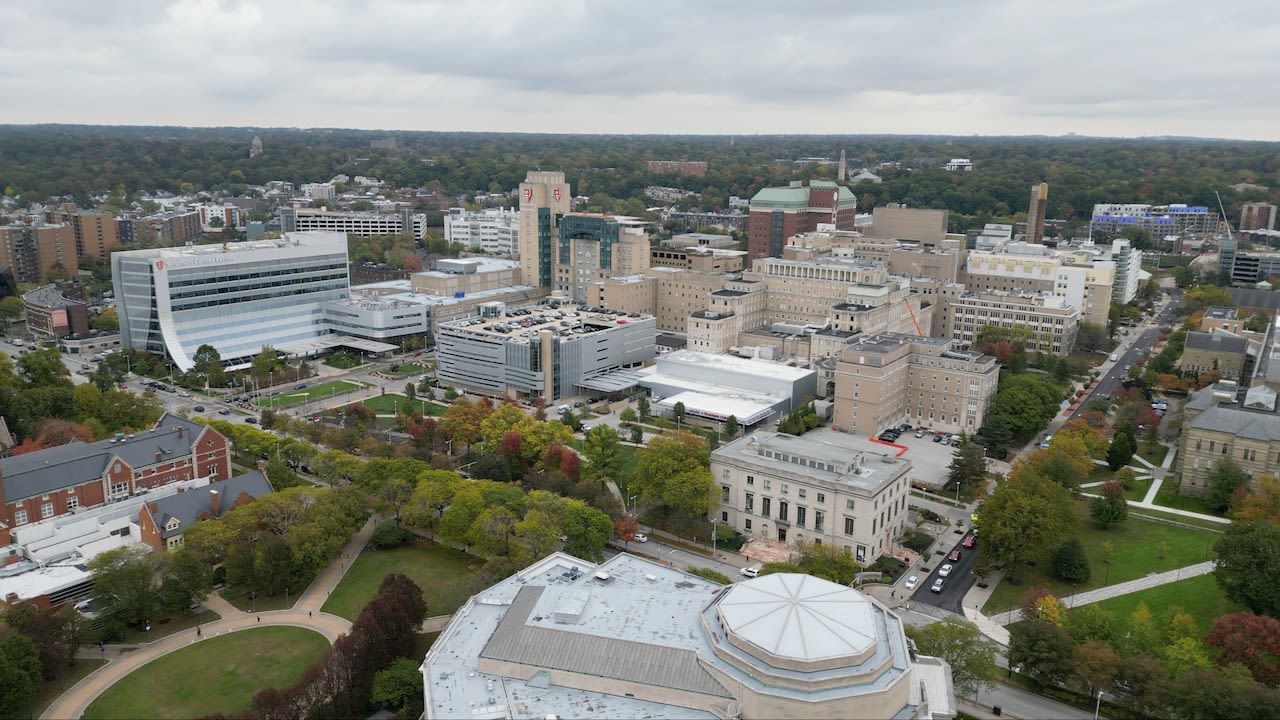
(929, 459)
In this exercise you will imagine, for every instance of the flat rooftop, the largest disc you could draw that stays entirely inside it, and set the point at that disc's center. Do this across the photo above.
(730, 363)
(567, 319)
(402, 291)
(834, 457)
(644, 607)
(311, 239)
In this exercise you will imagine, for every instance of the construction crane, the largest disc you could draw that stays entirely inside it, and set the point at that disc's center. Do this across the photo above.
(911, 313)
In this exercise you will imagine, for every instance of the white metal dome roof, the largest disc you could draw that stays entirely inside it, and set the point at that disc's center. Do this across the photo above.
(800, 617)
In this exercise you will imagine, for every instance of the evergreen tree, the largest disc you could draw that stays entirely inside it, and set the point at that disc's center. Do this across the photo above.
(1070, 563)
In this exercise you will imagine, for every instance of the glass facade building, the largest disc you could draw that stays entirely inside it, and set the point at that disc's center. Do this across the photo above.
(236, 297)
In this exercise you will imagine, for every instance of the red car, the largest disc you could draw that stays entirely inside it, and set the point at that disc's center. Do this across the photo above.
(969, 540)
(955, 555)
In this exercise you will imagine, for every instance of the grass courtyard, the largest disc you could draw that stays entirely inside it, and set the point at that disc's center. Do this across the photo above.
(444, 574)
(311, 393)
(392, 403)
(219, 675)
(1138, 547)
(1199, 596)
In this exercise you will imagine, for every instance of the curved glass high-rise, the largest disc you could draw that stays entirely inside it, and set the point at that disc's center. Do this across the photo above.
(236, 297)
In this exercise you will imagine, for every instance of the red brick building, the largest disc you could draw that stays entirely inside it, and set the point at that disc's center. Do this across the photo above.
(163, 522)
(781, 212)
(56, 481)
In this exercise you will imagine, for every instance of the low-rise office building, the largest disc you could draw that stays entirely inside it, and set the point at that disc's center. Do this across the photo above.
(50, 314)
(540, 351)
(635, 638)
(365, 224)
(823, 486)
(492, 230)
(717, 387)
(1221, 319)
(889, 379)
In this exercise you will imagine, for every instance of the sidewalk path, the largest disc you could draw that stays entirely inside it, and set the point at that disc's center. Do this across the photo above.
(1116, 590)
(305, 613)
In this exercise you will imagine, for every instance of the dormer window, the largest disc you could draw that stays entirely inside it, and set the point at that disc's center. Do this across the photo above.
(172, 524)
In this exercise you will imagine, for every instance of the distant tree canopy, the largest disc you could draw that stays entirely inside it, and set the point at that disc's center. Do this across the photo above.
(44, 162)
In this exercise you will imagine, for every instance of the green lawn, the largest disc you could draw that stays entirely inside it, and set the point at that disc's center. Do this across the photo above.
(1169, 497)
(49, 690)
(444, 574)
(403, 370)
(392, 403)
(1139, 490)
(1200, 596)
(1151, 452)
(291, 398)
(1136, 552)
(219, 675)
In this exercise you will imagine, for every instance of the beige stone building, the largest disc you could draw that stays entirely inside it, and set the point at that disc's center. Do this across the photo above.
(544, 197)
(1050, 322)
(1086, 285)
(1207, 351)
(889, 379)
(1222, 319)
(823, 486)
(904, 223)
(1218, 426)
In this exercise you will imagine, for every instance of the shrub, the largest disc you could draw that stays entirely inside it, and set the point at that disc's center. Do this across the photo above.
(714, 576)
(389, 535)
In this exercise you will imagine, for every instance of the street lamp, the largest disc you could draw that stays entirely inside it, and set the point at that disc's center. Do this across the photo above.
(1097, 706)
(633, 503)
(957, 492)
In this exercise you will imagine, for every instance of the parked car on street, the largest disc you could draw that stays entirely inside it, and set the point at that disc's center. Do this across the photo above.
(640, 537)
(910, 584)
(944, 571)
(753, 571)
(954, 555)
(937, 585)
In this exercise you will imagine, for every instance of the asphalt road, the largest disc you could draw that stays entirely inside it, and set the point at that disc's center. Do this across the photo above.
(1131, 348)
(955, 585)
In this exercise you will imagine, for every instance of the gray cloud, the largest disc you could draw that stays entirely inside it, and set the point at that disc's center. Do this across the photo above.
(1121, 67)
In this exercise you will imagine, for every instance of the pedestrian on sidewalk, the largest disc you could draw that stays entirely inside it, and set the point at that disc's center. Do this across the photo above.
(259, 618)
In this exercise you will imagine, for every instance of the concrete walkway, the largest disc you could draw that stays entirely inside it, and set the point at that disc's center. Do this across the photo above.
(305, 613)
(1110, 591)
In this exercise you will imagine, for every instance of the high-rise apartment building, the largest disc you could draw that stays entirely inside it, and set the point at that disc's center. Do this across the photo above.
(96, 232)
(1035, 212)
(33, 250)
(592, 247)
(781, 212)
(544, 198)
(1128, 262)
(162, 229)
(1257, 216)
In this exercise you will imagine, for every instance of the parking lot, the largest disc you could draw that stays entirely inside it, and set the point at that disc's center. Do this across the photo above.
(929, 459)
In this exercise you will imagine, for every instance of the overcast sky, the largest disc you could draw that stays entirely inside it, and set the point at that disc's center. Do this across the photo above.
(991, 67)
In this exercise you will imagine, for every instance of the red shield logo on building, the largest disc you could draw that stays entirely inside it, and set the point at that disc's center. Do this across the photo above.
(557, 194)
(528, 194)
(159, 264)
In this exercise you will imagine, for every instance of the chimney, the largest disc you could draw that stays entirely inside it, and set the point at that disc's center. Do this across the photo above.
(181, 432)
(154, 507)
(215, 503)
(159, 456)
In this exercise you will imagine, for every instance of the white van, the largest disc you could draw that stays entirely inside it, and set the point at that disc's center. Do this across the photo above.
(1115, 357)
